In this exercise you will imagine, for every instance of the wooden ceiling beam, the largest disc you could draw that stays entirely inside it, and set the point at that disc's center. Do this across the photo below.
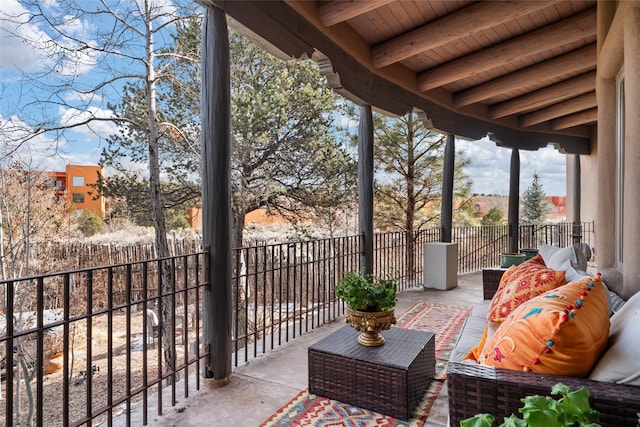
(560, 33)
(573, 105)
(475, 18)
(576, 119)
(577, 60)
(334, 12)
(555, 93)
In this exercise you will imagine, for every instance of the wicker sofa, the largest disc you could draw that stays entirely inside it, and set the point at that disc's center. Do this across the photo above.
(475, 389)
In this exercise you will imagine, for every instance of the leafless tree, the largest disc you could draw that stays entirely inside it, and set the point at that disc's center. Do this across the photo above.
(31, 211)
(91, 52)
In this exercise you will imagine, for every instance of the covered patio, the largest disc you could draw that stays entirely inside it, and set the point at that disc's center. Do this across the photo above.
(524, 74)
(260, 388)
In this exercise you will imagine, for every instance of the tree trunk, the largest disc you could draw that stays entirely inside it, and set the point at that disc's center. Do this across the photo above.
(28, 377)
(157, 203)
(411, 201)
(3, 271)
(238, 228)
(239, 287)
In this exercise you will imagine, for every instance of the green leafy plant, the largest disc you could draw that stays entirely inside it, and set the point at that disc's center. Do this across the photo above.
(367, 292)
(571, 409)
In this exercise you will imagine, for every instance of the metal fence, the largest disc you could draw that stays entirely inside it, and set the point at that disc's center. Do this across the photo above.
(480, 247)
(284, 290)
(87, 345)
(80, 347)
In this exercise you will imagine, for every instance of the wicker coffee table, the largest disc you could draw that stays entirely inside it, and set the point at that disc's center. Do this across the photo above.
(390, 379)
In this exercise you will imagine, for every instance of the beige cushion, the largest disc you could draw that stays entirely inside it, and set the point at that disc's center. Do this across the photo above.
(621, 363)
(471, 331)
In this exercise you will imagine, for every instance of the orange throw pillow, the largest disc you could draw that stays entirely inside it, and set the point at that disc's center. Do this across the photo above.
(520, 283)
(563, 332)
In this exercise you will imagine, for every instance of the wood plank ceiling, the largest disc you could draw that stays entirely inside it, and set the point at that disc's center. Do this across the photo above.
(525, 69)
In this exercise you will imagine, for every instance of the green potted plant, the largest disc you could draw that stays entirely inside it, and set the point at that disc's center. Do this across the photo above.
(571, 409)
(370, 302)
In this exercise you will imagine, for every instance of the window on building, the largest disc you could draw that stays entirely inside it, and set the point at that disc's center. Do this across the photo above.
(77, 181)
(77, 197)
(58, 183)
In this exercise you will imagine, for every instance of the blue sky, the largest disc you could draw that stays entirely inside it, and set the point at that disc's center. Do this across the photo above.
(489, 169)
(69, 106)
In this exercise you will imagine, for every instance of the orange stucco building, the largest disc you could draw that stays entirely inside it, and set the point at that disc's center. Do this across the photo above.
(76, 183)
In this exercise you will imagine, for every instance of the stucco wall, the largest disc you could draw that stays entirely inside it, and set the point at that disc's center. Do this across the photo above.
(618, 49)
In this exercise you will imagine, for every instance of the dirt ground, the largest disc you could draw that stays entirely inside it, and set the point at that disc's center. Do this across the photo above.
(119, 377)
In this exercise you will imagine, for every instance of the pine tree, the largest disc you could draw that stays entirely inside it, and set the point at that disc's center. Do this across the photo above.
(409, 166)
(409, 160)
(534, 206)
(493, 217)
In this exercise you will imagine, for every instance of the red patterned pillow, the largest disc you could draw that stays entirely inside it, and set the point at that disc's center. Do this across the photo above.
(520, 283)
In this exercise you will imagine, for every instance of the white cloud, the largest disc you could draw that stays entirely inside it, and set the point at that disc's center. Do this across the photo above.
(26, 46)
(163, 9)
(42, 152)
(91, 97)
(96, 128)
(14, 52)
(38, 152)
(490, 167)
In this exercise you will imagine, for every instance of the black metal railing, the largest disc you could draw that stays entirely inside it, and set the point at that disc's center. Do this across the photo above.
(560, 235)
(95, 342)
(286, 289)
(480, 247)
(102, 340)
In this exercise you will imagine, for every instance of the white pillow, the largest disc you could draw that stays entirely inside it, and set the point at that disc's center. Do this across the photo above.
(555, 257)
(620, 364)
(571, 275)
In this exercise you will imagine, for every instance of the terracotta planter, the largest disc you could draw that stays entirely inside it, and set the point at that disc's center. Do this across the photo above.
(370, 323)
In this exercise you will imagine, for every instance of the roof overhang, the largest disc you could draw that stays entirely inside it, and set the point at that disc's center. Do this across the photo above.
(295, 29)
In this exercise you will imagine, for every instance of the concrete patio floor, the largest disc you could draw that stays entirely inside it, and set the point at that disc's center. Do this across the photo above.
(261, 387)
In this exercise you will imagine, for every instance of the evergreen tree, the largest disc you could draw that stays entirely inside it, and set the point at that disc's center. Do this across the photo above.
(285, 156)
(493, 217)
(409, 171)
(409, 166)
(89, 223)
(534, 206)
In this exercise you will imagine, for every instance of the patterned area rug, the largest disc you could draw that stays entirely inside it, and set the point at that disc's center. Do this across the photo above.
(310, 410)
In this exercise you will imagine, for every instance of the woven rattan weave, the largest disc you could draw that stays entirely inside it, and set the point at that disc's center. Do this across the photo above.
(390, 379)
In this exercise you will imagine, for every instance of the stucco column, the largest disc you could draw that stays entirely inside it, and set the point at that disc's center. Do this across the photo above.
(606, 167)
(631, 246)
